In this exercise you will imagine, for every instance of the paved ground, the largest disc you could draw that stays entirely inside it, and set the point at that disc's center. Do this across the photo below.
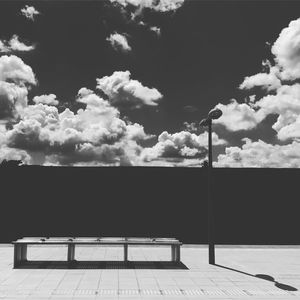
(243, 273)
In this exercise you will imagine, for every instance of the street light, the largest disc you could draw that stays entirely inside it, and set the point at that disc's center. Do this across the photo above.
(212, 115)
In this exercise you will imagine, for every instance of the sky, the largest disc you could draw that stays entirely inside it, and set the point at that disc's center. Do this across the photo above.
(126, 82)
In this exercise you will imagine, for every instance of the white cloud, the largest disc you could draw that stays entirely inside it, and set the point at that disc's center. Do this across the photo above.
(17, 45)
(14, 154)
(4, 48)
(287, 51)
(13, 68)
(119, 42)
(261, 155)
(285, 103)
(84, 92)
(123, 153)
(191, 127)
(94, 134)
(29, 12)
(14, 45)
(156, 30)
(290, 131)
(181, 144)
(238, 116)
(156, 5)
(165, 5)
(176, 162)
(13, 98)
(46, 99)
(15, 77)
(124, 91)
(268, 81)
(283, 99)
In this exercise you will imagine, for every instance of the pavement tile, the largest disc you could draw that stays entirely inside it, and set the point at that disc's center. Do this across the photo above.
(241, 273)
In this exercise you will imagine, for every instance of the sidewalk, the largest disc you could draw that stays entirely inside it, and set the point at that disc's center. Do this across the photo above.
(241, 273)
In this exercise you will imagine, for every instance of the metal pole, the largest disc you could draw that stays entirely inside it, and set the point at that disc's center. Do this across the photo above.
(211, 245)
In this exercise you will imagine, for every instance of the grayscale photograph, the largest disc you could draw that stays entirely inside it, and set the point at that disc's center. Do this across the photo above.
(149, 149)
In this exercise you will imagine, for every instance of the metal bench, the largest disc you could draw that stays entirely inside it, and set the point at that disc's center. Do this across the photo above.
(20, 246)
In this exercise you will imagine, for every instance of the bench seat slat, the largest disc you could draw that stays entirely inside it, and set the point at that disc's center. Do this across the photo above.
(99, 240)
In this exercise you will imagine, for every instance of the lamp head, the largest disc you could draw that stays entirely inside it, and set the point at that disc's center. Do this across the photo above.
(205, 122)
(215, 114)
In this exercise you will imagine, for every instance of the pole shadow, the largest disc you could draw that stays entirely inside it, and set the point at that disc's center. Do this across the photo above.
(279, 285)
(161, 265)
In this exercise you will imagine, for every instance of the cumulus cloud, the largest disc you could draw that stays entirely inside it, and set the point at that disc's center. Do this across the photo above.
(261, 155)
(13, 98)
(46, 99)
(268, 81)
(282, 99)
(14, 154)
(29, 12)
(191, 127)
(286, 54)
(15, 79)
(124, 91)
(133, 10)
(156, 5)
(12, 68)
(84, 92)
(286, 50)
(93, 134)
(119, 42)
(285, 103)
(180, 145)
(14, 45)
(290, 131)
(238, 116)
(277, 80)
(156, 30)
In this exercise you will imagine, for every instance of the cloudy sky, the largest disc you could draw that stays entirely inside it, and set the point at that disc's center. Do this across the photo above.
(126, 82)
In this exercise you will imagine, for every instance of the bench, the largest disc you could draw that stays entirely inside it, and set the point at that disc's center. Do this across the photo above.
(20, 246)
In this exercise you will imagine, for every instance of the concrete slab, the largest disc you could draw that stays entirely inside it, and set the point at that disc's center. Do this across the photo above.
(240, 273)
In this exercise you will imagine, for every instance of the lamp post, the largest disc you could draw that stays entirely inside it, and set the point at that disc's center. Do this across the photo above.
(212, 115)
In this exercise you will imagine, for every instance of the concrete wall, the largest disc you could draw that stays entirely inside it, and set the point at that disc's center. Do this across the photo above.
(252, 206)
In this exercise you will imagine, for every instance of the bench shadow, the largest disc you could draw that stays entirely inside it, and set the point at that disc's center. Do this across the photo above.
(279, 285)
(165, 265)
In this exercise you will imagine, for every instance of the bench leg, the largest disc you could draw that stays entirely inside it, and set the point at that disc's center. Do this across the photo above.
(24, 252)
(20, 254)
(71, 252)
(172, 252)
(175, 252)
(125, 252)
(17, 255)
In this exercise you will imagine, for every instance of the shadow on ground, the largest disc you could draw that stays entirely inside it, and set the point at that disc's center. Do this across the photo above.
(264, 277)
(103, 265)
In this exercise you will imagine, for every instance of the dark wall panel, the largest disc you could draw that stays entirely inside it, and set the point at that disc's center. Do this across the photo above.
(252, 206)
